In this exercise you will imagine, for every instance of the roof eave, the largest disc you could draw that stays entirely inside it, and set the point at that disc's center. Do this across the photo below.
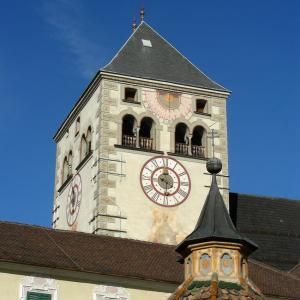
(199, 88)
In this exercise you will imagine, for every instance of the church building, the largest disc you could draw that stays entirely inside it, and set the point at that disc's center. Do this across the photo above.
(142, 208)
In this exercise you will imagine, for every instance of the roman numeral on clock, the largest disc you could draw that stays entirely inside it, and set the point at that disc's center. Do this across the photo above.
(182, 174)
(148, 188)
(155, 197)
(182, 193)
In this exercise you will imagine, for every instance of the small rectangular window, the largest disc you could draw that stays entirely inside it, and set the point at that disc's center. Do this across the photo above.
(201, 106)
(38, 296)
(146, 43)
(130, 94)
(77, 126)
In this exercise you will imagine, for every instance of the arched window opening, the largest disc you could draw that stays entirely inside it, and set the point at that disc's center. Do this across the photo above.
(146, 133)
(83, 147)
(65, 170)
(77, 127)
(181, 139)
(89, 140)
(70, 164)
(129, 131)
(198, 141)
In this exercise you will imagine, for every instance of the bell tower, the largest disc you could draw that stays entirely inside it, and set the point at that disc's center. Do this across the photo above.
(131, 154)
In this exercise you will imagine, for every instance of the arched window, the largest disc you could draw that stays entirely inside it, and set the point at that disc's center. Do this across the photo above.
(147, 133)
(83, 147)
(65, 170)
(199, 141)
(77, 126)
(129, 131)
(89, 139)
(181, 139)
(70, 163)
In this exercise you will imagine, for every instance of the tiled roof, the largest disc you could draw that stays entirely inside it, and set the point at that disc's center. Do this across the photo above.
(296, 270)
(160, 61)
(273, 224)
(76, 251)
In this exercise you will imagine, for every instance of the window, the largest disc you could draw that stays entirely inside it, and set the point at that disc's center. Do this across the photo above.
(70, 163)
(130, 95)
(181, 139)
(89, 140)
(83, 147)
(77, 127)
(38, 296)
(65, 170)
(201, 106)
(198, 141)
(129, 131)
(146, 133)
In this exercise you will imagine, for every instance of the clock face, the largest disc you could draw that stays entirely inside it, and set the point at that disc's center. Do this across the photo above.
(167, 105)
(165, 181)
(74, 200)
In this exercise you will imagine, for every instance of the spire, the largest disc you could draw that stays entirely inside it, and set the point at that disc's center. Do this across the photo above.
(214, 223)
(142, 13)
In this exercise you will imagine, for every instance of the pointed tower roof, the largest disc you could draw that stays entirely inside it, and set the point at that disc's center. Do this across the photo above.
(214, 223)
(148, 55)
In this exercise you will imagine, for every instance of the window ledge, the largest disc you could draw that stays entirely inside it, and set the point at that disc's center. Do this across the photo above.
(139, 149)
(131, 101)
(187, 156)
(202, 113)
(84, 161)
(65, 184)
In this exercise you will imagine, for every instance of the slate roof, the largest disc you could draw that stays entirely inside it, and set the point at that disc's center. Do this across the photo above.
(214, 223)
(159, 62)
(76, 251)
(273, 224)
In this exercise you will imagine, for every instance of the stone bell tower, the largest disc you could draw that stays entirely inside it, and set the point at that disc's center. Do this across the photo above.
(131, 153)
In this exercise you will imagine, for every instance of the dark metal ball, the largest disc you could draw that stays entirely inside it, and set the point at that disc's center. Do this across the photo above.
(214, 165)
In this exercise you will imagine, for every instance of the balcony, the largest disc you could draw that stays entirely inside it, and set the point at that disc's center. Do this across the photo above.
(129, 141)
(187, 150)
(198, 151)
(146, 143)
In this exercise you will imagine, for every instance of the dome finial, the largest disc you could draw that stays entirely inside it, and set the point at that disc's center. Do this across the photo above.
(214, 165)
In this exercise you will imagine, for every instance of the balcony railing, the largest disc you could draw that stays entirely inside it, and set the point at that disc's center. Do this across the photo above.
(129, 141)
(198, 151)
(193, 150)
(181, 148)
(146, 143)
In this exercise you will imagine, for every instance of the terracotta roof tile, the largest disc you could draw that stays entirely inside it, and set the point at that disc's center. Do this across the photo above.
(76, 251)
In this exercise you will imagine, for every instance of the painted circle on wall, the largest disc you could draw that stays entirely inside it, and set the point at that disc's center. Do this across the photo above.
(74, 200)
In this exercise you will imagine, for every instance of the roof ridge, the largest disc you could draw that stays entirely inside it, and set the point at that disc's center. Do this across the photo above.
(132, 34)
(266, 197)
(62, 250)
(287, 274)
(82, 233)
(184, 57)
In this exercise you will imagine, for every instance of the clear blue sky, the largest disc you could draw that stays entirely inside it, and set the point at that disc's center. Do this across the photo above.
(51, 49)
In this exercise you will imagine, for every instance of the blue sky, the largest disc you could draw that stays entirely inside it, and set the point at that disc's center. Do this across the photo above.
(51, 49)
